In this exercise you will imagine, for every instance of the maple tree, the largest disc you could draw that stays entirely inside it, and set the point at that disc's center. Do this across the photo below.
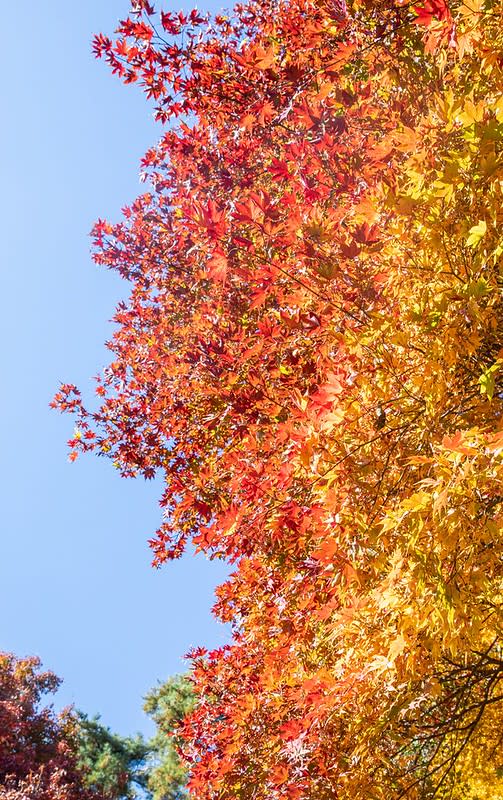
(38, 752)
(311, 355)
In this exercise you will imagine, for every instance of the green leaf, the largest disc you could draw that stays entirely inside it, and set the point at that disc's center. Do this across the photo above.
(487, 379)
(476, 233)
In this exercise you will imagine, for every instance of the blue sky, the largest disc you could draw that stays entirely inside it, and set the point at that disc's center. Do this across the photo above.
(76, 585)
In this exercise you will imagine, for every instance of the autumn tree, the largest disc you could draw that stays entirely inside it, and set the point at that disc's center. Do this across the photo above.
(38, 752)
(311, 357)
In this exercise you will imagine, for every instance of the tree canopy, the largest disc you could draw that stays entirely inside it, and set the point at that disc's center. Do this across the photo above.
(168, 704)
(311, 357)
(38, 755)
(111, 764)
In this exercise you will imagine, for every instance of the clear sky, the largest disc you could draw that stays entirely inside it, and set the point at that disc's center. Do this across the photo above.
(76, 585)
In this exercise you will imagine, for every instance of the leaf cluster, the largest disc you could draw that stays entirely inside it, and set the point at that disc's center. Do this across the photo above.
(310, 358)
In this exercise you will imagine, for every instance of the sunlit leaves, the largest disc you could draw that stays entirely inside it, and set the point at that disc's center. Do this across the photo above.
(476, 233)
(310, 358)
